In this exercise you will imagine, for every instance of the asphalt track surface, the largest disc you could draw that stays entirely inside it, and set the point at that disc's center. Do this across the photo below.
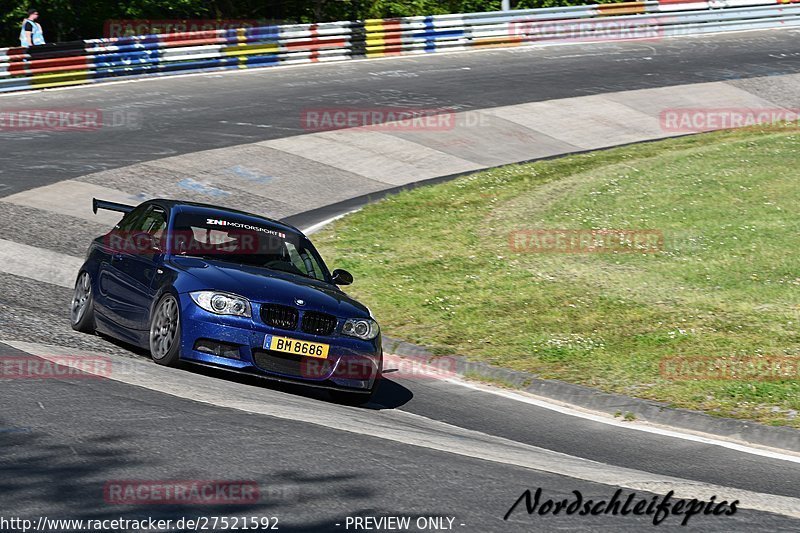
(62, 440)
(222, 110)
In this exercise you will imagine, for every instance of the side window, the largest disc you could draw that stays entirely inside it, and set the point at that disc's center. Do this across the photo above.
(297, 261)
(311, 264)
(149, 219)
(305, 262)
(153, 222)
(129, 221)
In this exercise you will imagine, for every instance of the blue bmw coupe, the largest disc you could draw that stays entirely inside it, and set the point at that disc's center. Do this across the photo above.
(229, 289)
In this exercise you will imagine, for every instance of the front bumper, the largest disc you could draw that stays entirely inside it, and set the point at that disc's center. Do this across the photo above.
(237, 343)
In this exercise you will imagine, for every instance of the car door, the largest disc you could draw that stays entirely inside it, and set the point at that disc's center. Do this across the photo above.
(132, 270)
(108, 301)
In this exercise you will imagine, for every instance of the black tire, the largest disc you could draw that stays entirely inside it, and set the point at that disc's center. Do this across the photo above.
(165, 331)
(82, 305)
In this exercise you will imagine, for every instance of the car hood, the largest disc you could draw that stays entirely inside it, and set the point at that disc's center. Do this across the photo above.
(264, 285)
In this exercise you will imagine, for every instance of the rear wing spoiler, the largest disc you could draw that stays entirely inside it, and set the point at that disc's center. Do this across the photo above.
(110, 206)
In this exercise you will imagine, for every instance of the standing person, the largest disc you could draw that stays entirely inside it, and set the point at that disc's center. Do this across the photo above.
(31, 33)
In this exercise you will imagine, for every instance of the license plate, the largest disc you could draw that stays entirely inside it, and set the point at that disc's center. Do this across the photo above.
(287, 345)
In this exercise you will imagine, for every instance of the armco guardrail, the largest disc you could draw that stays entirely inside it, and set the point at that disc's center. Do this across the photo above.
(96, 60)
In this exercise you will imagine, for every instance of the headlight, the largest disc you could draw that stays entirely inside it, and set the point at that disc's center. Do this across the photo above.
(363, 328)
(222, 303)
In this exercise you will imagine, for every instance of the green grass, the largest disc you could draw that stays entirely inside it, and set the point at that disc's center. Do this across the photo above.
(436, 267)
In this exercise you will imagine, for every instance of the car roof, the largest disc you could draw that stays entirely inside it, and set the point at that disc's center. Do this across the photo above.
(219, 211)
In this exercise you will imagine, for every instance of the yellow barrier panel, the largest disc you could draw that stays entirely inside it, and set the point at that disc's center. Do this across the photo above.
(58, 79)
(375, 39)
(625, 8)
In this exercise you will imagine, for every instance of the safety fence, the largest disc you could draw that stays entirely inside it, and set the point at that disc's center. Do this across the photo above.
(96, 60)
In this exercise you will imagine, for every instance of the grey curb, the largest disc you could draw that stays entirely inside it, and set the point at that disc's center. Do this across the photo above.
(609, 403)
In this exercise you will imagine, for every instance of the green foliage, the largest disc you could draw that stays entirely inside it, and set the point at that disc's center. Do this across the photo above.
(64, 20)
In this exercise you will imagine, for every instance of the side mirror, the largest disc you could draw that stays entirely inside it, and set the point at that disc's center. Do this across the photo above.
(341, 277)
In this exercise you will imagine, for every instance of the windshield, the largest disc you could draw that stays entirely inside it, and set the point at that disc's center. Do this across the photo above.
(237, 240)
